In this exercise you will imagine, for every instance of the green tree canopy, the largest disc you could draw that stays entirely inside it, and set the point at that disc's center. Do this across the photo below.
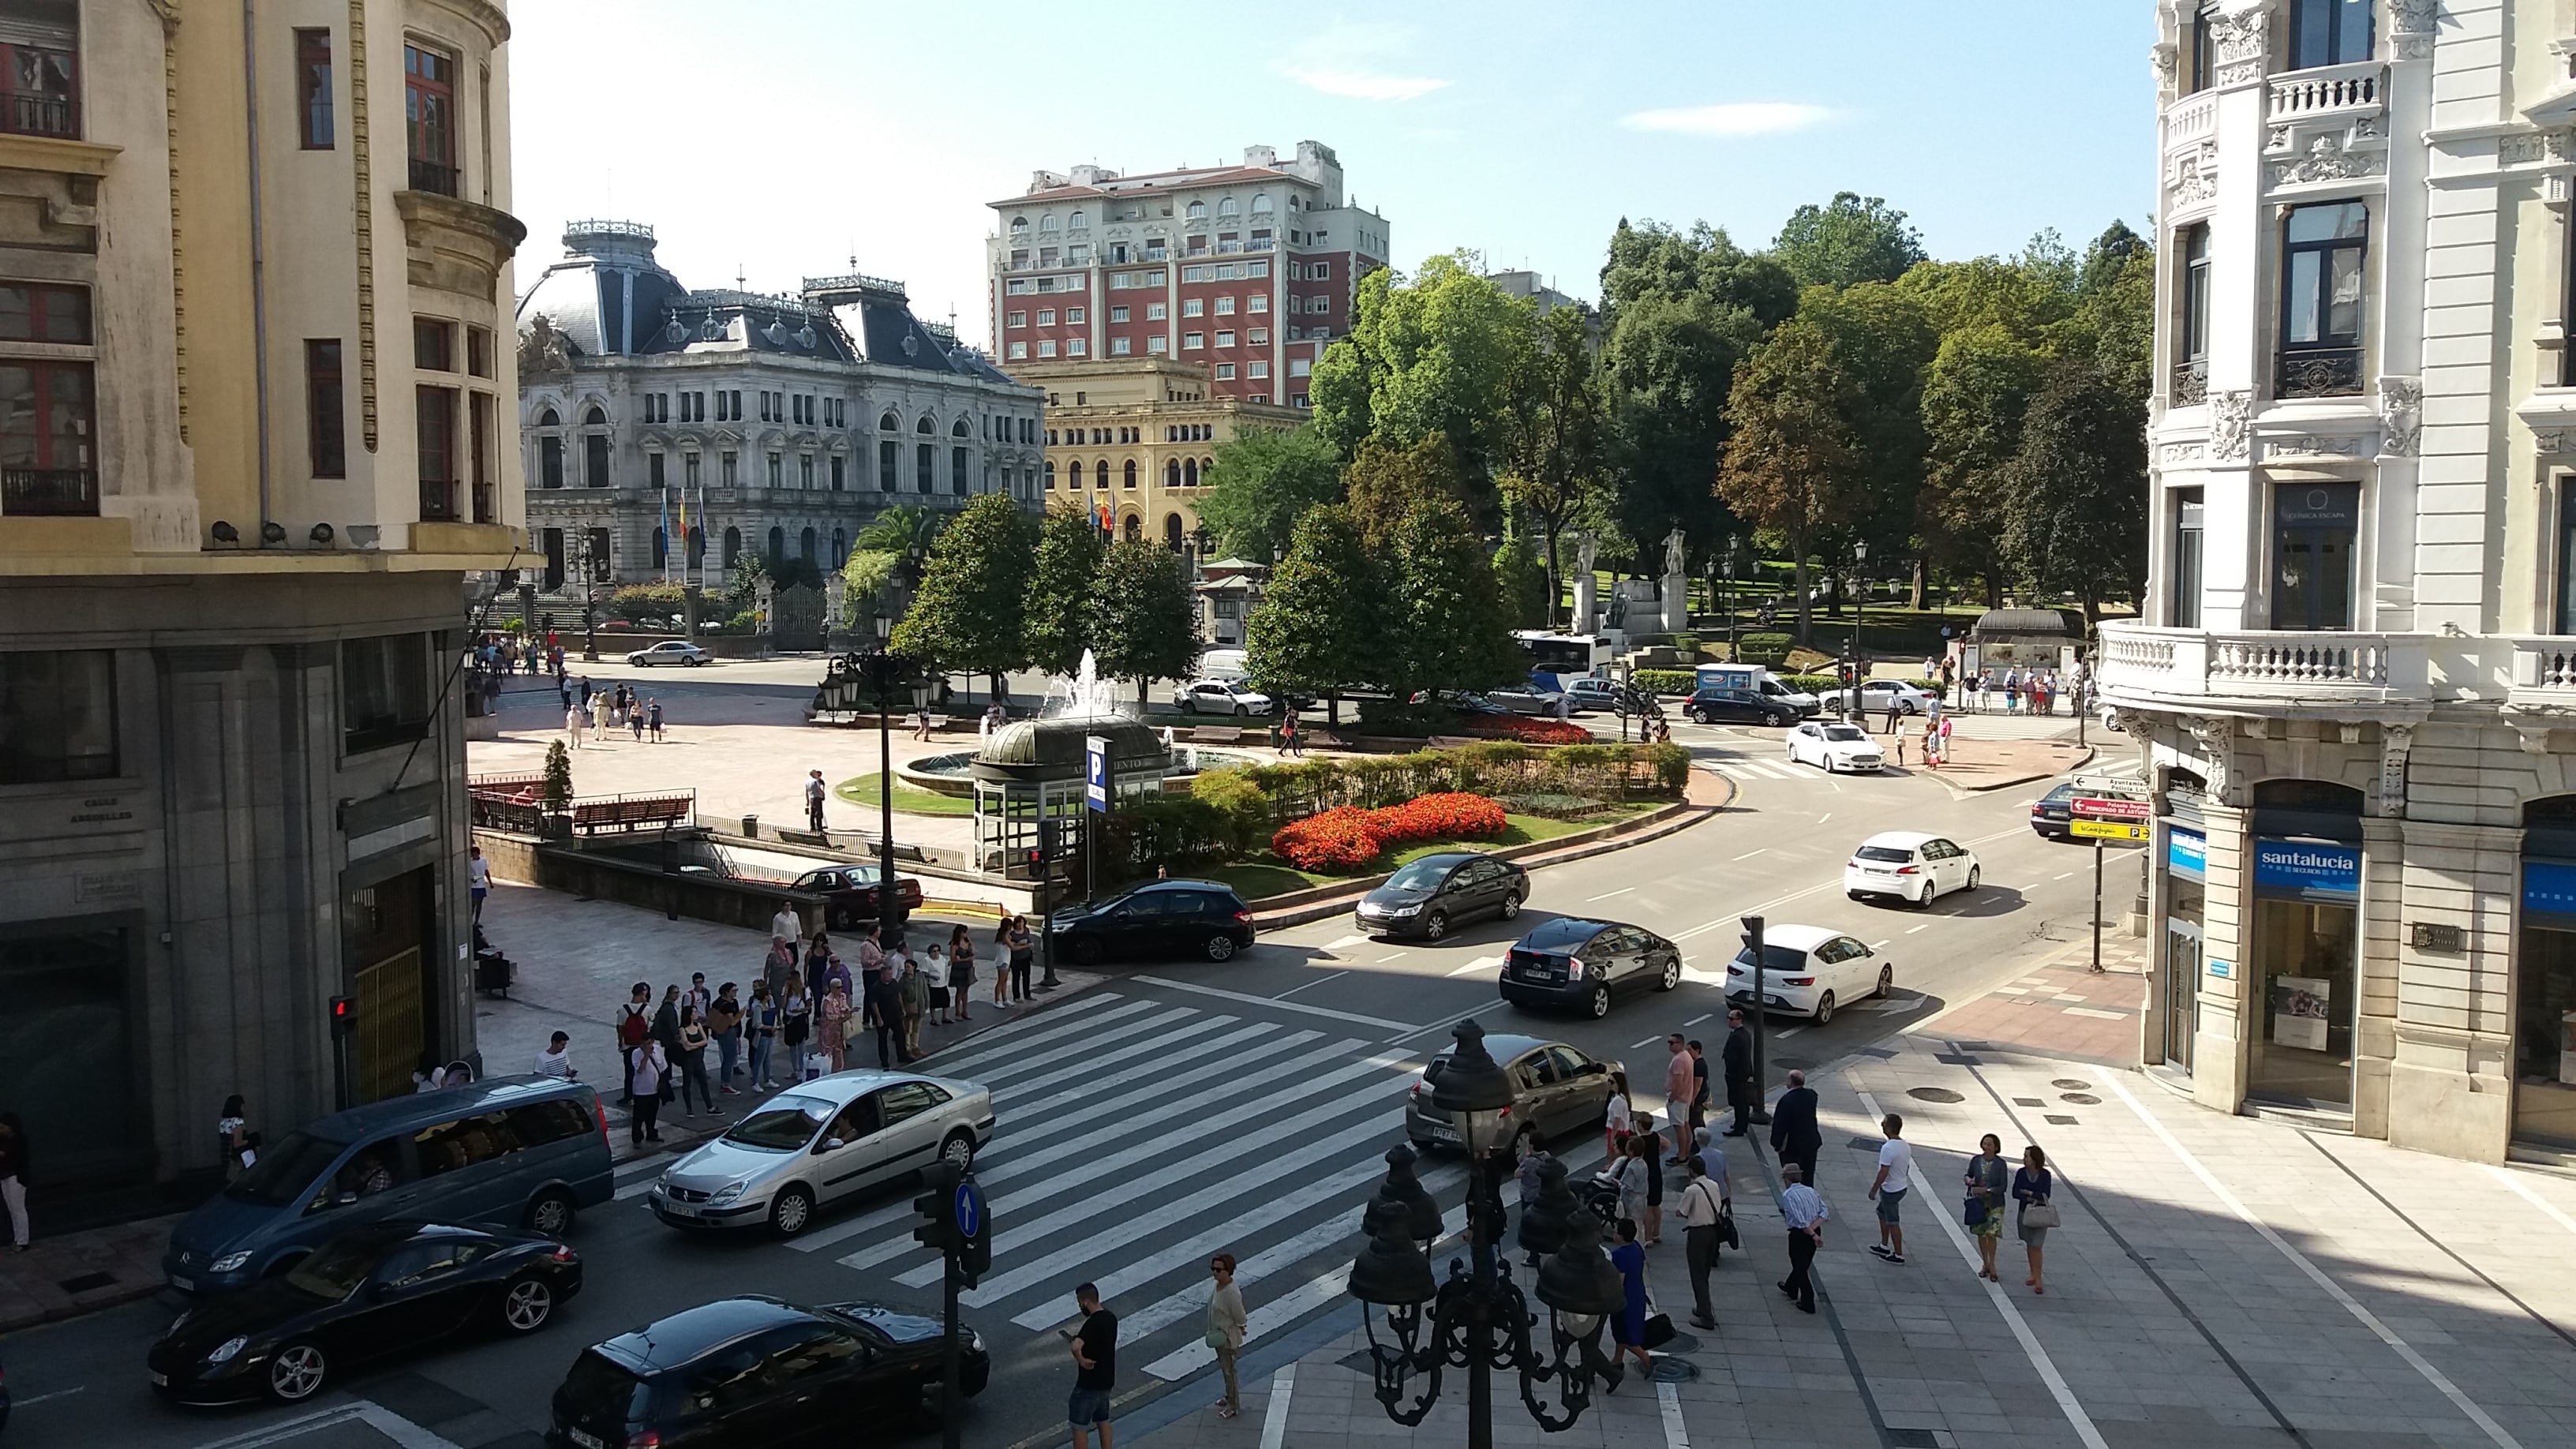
(1146, 625)
(1433, 355)
(1388, 480)
(1885, 341)
(968, 614)
(1552, 473)
(906, 530)
(1974, 395)
(869, 577)
(1796, 464)
(1849, 240)
(1451, 631)
(1063, 589)
(1264, 481)
(2076, 491)
(1319, 626)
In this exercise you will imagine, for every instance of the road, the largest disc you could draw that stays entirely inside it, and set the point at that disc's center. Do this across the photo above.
(1193, 1108)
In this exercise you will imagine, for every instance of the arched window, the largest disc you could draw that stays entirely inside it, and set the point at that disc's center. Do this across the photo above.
(1135, 529)
(1197, 211)
(1227, 207)
(1171, 472)
(805, 545)
(840, 548)
(1082, 221)
(889, 423)
(1131, 473)
(1019, 227)
(1050, 473)
(732, 548)
(594, 449)
(697, 547)
(1051, 222)
(1261, 204)
(1189, 472)
(1207, 469)
(960, 430)
(1075, 473)
(928, 424)
(1172, 532)
(777, 547)
(594, 418)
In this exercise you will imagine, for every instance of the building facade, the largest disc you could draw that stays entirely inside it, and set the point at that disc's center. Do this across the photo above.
(2354, 678)
(785, 423)
(1132, 442)
(1250, 269)
(254, 263)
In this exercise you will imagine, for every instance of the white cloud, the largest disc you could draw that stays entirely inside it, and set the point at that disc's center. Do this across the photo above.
(1362, 85)
(1350, 58)
(1737, 118)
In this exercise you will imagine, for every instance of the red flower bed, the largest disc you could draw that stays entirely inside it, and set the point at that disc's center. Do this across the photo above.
(1348, 838)
(1528, 730)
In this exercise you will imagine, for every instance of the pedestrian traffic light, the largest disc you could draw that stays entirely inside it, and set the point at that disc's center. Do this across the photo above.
(1049, 837)
(344, 1015)
(937, 1206)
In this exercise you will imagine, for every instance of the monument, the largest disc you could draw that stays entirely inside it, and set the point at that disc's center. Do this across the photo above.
(1586, 587)
(1676, 582)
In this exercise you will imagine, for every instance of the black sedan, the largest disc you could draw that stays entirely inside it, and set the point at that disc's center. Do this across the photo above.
(849, 895)
(758, 1371)
(1436, 892)
(1714, 705)
(1582, 965)
(1196, 918)
(370, 1293)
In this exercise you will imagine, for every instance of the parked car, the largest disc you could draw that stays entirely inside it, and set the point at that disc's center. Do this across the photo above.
(1556, 1090)
(1731, 705)
(1585, 964)
(1835, 748)
(1222, 696)
(669, 651)
(1809, 971)
(1436, 892)
(1594, 692)
(849, 895)
(757, 1371)
(819, 1142)
(1877, 694)
(2052, 815)
(1911, 866)
(370, 1293)
(515, 1151)
(1202, 918)
(1532, 700)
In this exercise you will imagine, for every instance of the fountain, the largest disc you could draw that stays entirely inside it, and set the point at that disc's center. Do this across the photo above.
(1084, 699)
(1031, 770)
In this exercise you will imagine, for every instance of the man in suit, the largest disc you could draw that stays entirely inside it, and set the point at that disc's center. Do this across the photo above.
(1794, 1134)
(1742, 1090)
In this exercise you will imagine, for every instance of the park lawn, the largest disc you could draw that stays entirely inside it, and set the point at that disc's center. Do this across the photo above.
(863, 792)
(1264, 874)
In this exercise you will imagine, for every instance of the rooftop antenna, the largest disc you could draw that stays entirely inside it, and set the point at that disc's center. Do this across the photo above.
(741, 282)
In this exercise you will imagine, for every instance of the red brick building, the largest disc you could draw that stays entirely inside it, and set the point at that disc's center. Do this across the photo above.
(1248, 270)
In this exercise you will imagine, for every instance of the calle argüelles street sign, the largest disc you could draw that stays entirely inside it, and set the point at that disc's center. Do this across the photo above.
(2097, 818)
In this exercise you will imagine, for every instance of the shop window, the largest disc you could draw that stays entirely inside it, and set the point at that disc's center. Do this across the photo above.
(384, 691)
(2314, 528)
(2544, 1015)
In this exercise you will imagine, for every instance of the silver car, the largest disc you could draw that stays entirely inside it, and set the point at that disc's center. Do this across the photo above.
(1556, 1089)
(820, 1142)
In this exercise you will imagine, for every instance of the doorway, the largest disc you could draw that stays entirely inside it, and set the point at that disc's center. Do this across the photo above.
(2544, 996)
(2314, 528)
(390, 956)
(2186, 851)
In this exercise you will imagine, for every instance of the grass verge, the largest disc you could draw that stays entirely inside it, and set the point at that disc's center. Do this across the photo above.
(863, 792)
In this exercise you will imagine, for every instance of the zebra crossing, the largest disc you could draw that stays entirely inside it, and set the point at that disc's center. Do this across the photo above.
(1136, 1137)
(1739, 767)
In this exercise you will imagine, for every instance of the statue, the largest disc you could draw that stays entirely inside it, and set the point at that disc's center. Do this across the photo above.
(543, 349)
(836, 592)
(1676, 551)
(1585, 547)
(1676, 583)
(1586, 586)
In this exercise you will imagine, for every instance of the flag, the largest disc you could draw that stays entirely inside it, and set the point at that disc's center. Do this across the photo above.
(666, 534)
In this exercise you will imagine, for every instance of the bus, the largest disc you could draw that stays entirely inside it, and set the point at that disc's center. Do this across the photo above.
(1556, 659)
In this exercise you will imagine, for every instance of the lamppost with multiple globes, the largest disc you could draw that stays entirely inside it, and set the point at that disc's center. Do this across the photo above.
(1478, 1319)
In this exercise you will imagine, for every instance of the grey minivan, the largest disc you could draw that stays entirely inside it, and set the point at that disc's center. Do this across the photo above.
(524, 1151)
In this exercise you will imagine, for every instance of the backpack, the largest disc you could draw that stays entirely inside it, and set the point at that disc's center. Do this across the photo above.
(634, 1027)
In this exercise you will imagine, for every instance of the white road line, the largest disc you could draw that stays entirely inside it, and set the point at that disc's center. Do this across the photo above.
(1696, 1020)
(1910, 930)
(1080, 1067)
(1697, 931)
(1605, 895)
(1821, 819)
(1339, 942)
(1748, 855)
(641, 1185)
(1650, 1041)
(1669, 1399)
(1248, 1000)
(1274, 1419)
(2514, 1180)
(1078, 1090)
(2030, 1344)
(981, 1049)
(1481, 963)
(1309, 986)
(1881, 945)
(56, 1394)
(2061, 875)
(1078, 1050)
(1786, 1033)
(2333, 1289)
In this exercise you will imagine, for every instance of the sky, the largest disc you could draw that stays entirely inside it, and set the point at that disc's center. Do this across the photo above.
(776, 139)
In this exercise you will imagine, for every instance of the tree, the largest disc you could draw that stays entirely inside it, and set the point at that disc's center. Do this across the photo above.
(1552, 456)
(1651, 260)
(1849, 240)
(1147, 625)
(868, 575)
(556, 787)
(1435, 355)
(1529, 591)
(2076, 491)
(1388, 480)
(1974, 395)
(1796, 463)
(970, 609)
(1450, 629)
(1884, 339)
(1318, 627)
(1264, 481)
(906, 530)
(1063, 584)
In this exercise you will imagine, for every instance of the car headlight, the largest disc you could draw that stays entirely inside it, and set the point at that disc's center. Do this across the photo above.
(228, 1262)
(225, 1350)
(175, 1325)
(729, 1192)
(1408, 909)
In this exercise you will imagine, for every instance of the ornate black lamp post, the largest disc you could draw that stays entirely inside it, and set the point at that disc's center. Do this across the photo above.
(1417, 1326)
(1860, 605)
(886, 670)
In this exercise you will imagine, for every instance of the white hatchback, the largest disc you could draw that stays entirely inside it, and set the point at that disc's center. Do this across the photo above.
(1835, 748)
(1809, 971)
(1911, 866)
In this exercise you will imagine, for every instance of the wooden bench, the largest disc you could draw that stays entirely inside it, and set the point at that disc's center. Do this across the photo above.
(633, 812)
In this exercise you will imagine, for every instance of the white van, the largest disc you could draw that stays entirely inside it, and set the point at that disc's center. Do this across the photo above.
(1761, 681)
(1226, 664)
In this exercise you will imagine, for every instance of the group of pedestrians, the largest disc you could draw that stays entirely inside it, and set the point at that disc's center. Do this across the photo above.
(662, 1049)
(597, 711)
(2024, 691)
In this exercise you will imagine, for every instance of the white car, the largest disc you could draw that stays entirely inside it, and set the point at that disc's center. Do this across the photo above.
(1911, 866)
(1809, 971)
(1531, 700)
(669, 651)
(1877, 694)
(1835, 748)
(1221, 696)
(819, 1142)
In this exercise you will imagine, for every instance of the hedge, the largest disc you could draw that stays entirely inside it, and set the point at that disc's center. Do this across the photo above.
(1770, 650)
(1665, 681)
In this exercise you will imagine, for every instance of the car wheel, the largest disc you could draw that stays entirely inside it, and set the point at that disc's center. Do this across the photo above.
(1923, 902)
(550, 1213)
(1672, 976)
(1086, 951)
(1511, 905)
(959, 1150)
(526, 1305)
(791, 1211)
(1975, 874)
(1599, 1002)
(1240, 712)
(1824, 1008)
(296, 1374)
(282, 1265)
(1220, 947)
(696, 659)
(1435, 925)
(1886, 980)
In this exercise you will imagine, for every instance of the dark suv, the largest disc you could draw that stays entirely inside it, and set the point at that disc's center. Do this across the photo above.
(1430, 895)
(1201, 918)
(1572, 962)
(1715, 705)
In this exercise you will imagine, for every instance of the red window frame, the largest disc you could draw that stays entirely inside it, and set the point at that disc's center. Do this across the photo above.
(429, 117)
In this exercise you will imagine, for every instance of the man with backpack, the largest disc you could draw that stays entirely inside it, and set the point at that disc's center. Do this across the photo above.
(634, 1026)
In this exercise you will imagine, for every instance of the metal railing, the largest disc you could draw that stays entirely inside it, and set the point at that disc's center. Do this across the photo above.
(2190, 387)
(434, 176)
(2317, 372)
(49, 492)
(40, 115)
(437, 500)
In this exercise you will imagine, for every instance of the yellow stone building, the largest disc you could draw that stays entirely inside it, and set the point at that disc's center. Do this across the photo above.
(1135, 439)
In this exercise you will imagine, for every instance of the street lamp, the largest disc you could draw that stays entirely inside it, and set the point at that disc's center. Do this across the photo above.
(1417, 1326)
(1730, 599)
(590, 565)
(1860, 604)
(884, 668)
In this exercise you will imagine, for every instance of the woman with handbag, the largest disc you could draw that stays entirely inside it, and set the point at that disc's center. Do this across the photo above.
(797, 1016)
(832, 1024)
(1615, 1121)
(1225, 1328)
(2032, 1187)
(1987, 1183)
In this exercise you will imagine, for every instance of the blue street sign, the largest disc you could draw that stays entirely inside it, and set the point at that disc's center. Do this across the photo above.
(1095, 773)
(969, 1206)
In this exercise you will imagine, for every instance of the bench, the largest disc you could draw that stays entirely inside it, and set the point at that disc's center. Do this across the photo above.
(504, 786)
(633, 812)
(803, 837)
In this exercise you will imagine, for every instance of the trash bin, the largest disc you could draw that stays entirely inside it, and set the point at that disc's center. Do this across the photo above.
(751, 827)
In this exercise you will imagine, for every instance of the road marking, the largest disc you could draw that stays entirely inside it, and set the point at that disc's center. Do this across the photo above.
(1910, 930)
(2012, 991)
(2514, 1180)
(2062, 875)
(1821, 819)
(982, 1048)
(1786, 1033)
(1605, 895)
(1650, 1041)
(1696, 1020)
(1881, 945)
(2030, 1344)
(1670, 1400)
(1408, 1028)
(1309, 986)
(2316, 1275)
(384, 1421)
(1072, 1087)
(1339, 942)
(1481, 963)
(1748, 855)
(1077, 1049)
(1274, 1419)
(2097, 1013)
(56, 1394)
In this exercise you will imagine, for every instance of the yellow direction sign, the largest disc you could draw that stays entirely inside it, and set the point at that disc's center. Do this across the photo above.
(2107, 830)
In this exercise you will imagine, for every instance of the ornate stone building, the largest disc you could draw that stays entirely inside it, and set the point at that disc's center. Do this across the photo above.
(1131, 442)
(2355, 681)
(786, 422)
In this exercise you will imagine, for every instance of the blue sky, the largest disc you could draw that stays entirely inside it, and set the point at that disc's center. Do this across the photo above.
(780, 139)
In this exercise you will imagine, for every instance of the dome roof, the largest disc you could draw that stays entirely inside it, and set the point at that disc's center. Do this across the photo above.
(1057, 746)
(608, 294)
(2019, 621)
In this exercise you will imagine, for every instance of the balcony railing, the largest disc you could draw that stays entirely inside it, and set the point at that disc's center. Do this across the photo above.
(2146, 663)
(40, 115)
(437, 500)
(436, 176)
(2190, 386)
(49, 492)
(2318, 372)
(2326, 90)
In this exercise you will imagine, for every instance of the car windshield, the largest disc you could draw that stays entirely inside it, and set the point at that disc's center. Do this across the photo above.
(784, 1125)
(1897, 853)
(284, 1173)
(1774, 958)
(336, 1269)
(1843, 732)
(1422, 875)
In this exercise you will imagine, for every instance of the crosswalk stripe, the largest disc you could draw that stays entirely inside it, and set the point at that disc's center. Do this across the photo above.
(1082, 1068)
(984, 1047)
(1082, 1091)
(1250, 1000)
(1082, 1041)
(1062, 1141)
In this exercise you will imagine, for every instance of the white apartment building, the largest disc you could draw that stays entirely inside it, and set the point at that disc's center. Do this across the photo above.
(2354, 682)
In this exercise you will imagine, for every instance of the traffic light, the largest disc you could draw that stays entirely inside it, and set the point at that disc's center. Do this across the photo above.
(1753, 941)
(1050, 837)
(344, 1015)
(937, 1206)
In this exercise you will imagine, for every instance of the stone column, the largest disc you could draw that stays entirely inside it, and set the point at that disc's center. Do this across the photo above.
(2450, 1086)
(2227, 1018)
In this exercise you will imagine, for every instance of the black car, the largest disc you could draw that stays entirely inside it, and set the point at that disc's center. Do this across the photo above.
(369, 1293)
(1716, 705)
(1583, 964)
(758, 1371)
(1201, 918)
(849, 895)
(1430, 895)
(2052, 815)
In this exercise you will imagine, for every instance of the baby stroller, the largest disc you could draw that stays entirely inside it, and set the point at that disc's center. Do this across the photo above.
(1601, 1196)
(492, 970)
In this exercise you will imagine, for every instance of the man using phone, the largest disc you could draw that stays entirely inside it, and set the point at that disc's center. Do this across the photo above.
(1095, 1368)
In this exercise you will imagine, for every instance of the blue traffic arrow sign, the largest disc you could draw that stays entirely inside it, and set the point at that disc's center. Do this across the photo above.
(968, 1205)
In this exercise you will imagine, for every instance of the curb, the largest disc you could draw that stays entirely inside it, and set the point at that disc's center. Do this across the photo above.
(96, 1301)
(2087, 756)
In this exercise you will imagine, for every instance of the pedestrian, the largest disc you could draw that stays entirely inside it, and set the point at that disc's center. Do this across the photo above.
(934, 970)
(697, 995)
(1987, 1183)
(832, 1023)
(1095, 1367)
(1945, 740)
(1291, 743)
(2032, 1187)
(666, 1024)
(1022, 943)
(921, 731)
(796, 1020)
(818, 967)
(1712, 1161)
(1653, 1221)
(961, 971)
(1703, 1210)
(1804, 1212)
(1225, 1325)
(1888, 1188)
(1795, 1134)
(882, 1010)
(692, 1059)
(235, 1143)
(1900, 741)
(1895, 710)
(1699, 1091)
(648, 1078)
(634, 1026)
(814, 801)
(478, 878)
(724, 1023)
(1001, 960)
(779, 969)
(786, 928)
(15, 1176)
(556, 1060)
(912, 993)
(653, 718)
(574, 725)
(1681, 1083)
(1617, 1121)
(1629, 1173)
(1743, 1091)
(1932, 743)
(764, 1034)
(598, 718)
(1628, 1330)
(635, 722)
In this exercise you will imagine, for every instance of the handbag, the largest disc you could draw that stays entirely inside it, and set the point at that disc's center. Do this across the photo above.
(2039, 1215)
(1976, 1211)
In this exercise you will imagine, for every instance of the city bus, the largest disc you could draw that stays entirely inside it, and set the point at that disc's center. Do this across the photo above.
(1556, 660)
